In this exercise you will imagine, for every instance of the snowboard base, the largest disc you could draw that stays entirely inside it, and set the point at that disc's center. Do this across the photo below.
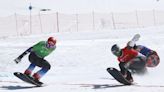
(28, 79)
(118, 76)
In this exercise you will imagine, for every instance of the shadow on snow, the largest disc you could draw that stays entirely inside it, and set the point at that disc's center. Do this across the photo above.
(100, 86)
(17, 87)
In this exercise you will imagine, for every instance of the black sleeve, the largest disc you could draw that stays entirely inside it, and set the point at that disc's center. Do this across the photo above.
(26, 52)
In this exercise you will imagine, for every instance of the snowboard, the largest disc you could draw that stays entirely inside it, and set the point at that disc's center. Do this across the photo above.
(28, 79)
(118, 76)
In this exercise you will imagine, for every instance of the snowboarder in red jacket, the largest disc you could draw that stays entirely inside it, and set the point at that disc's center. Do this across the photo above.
(129, 58)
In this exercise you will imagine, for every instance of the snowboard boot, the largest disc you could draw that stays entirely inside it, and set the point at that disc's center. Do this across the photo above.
(28, 73)
(36, 77)
(129, 77)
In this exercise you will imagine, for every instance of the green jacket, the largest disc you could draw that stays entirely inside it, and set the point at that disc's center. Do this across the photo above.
(41, 50)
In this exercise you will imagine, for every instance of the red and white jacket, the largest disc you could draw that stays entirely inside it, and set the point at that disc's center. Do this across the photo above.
(129, 54)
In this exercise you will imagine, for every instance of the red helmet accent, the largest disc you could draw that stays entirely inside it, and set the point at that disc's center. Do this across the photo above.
(153, 60)
(51, 39)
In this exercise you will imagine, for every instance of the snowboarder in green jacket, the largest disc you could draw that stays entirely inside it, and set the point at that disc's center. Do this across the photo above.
(36, 57)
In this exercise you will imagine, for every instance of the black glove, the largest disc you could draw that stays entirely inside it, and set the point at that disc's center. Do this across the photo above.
(17, 60)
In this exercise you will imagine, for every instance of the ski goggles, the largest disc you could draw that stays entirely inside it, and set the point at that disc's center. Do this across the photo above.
(50, 44)
(117, 53)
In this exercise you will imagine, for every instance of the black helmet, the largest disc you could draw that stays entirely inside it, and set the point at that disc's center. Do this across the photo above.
(116, 50)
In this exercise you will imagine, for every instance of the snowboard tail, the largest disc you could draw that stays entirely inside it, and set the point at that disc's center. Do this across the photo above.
(27, 79)
(118, 76)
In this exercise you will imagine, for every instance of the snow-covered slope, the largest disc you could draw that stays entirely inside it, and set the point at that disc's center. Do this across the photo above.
(79, 63)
